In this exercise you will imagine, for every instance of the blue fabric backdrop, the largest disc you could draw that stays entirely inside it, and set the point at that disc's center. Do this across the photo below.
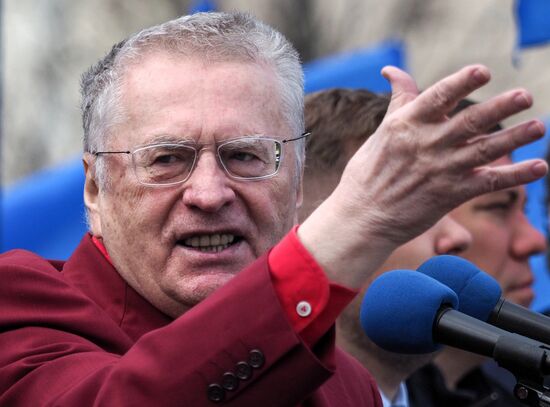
(355, 69)
(538, 215)
(533, 21)
(44, 213)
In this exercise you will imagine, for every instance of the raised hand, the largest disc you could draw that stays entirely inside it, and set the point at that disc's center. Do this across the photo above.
(418, 166)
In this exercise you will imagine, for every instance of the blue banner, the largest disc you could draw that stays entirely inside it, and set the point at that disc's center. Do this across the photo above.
(44, 213)
(533, 22)
(356, 69)
(537, 212)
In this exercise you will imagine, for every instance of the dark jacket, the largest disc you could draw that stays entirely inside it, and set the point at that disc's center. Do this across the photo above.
(427, 388)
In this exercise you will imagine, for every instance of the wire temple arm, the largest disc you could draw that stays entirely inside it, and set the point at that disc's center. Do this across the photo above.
(96, 153)
(303, 135)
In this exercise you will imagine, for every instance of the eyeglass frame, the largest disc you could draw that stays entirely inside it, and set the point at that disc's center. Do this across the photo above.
(195, 159)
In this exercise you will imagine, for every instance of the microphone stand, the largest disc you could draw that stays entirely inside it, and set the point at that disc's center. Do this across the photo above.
(529, 369)
(528, 360)
(532, 394)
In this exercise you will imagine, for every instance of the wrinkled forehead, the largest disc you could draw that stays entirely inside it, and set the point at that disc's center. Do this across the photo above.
(167, 95)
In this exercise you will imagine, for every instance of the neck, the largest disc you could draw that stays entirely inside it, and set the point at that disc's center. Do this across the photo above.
(454, 364)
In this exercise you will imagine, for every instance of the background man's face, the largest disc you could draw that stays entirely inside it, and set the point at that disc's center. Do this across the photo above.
(445, 237)
(503, 239)
(145, 228)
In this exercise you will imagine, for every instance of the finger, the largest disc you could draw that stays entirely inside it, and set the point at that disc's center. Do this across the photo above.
(440, 99)
(489, 179)
(403, 87)
(482, 117)
(487, 149)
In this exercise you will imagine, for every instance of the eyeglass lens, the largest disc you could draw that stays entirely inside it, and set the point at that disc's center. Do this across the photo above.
(242, 158)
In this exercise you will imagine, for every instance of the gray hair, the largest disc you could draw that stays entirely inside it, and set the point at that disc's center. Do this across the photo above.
(217, 37)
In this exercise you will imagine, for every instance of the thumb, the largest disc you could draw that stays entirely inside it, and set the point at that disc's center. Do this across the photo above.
(403, 87)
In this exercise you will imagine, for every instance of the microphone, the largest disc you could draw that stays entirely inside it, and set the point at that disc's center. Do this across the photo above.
(405, 311)
(399, 310)
(480, 297)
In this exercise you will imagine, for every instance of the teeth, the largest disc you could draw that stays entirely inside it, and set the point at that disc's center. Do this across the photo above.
(210, 243)
(205, 240)
(213, 249)
(225, 239)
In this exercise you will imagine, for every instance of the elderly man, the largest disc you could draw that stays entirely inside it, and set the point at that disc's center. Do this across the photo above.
(193, 171)
(503, 241)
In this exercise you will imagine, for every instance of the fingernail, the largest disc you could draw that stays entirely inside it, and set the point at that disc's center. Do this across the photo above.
(539, 169)
(535, 130)
(480, 76)
(521, 100)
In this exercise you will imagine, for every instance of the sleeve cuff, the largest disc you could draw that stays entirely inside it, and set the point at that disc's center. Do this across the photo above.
(312, 303)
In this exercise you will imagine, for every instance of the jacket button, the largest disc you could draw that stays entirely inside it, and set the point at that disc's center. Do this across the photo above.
(243, 370)
(303, 309)
(230, 381)
(256, 358)
(215, 393)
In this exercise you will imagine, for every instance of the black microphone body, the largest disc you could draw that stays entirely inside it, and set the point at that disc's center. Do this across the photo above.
(515, 318)
(522, 356)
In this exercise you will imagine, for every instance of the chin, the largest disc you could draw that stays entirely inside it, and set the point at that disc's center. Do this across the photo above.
(201, 287)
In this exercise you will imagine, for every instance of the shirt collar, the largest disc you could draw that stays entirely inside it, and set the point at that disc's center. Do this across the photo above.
(401, 399)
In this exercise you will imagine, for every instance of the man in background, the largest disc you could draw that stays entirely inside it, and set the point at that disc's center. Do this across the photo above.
(491, 231)
(502, 242)
(340, 121)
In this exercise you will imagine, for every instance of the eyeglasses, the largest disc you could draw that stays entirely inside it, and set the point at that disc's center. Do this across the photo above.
(245, 158)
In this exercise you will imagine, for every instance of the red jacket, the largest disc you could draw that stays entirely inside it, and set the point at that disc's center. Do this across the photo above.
(75, 334)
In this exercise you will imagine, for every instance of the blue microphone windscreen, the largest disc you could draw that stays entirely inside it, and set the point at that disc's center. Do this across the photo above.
(399, 309)
(477, 292)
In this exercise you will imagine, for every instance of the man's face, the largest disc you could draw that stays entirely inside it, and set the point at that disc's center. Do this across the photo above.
(148, 230)
(503, 239)
(445, 237)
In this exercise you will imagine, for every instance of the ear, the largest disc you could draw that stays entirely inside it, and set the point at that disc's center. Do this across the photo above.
(91, 195)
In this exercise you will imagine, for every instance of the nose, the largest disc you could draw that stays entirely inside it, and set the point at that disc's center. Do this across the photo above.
(208, 188)
(452, 238)
(526, 239)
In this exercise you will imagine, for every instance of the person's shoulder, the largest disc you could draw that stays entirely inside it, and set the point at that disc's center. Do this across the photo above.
(26, 260)
(23, 272)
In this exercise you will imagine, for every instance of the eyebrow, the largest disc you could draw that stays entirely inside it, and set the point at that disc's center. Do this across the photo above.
(171, 139)
(168, 139)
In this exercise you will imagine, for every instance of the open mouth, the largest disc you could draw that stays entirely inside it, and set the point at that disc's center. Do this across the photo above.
(214, 243)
